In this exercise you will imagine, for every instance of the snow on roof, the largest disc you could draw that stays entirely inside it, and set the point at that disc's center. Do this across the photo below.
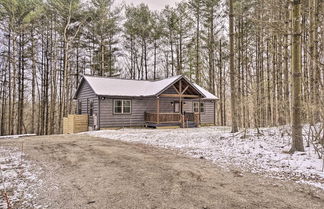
(134, 88)
(207, 94)
(122, 87)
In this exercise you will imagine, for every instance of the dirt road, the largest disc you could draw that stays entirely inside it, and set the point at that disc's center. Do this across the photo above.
(87, 172)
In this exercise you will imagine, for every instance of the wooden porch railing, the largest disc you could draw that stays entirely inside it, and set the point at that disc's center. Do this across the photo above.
(171, 117)
(163, 117)
(192, 117)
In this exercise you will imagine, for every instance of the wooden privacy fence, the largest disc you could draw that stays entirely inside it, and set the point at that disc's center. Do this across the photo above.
(75, 124)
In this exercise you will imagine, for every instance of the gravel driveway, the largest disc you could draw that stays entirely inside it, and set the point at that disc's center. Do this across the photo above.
(80, 171)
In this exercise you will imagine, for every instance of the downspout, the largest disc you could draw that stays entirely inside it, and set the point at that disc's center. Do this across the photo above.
(214, 112)
(99, 112)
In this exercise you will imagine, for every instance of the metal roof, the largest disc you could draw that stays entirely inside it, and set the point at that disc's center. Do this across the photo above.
(103, 86)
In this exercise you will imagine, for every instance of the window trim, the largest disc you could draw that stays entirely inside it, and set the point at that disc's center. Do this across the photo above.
(79, 109)
(174, 106)
(122, 107)
(202, 105)
(193, 107)
(91, 108)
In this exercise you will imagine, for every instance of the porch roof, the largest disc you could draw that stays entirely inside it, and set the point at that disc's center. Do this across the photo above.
(103, 86)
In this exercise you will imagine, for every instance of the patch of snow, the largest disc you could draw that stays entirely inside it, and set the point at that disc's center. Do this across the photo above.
(16, 136)
(18, 179)
(264, 153)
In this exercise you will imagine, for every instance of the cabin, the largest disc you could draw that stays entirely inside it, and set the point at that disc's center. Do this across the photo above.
(171, 102)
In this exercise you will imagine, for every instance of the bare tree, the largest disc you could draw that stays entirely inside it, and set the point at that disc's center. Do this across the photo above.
(297, 137)
(232, 68)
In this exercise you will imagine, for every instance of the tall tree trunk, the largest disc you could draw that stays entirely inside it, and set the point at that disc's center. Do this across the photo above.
(297, 137)
(155, 62)
(286, 66)
(33, 66)
(172, 53)
(211, 60)
(232, 68)
(198, 73)
(317, 74)
(9, 81)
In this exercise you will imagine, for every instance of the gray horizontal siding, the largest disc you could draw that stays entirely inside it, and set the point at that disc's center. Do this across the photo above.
(208, 117)
(136, 118)
(166, 105)
(85, 95)
(188, 106)
(140, 106)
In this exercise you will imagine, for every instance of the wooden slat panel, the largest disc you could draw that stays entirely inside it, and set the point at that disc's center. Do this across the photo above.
(65, 125)
(75, 124)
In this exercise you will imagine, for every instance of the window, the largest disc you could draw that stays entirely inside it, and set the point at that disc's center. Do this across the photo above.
(79, 107)
(196, 106)
(176, 107)
(202, 107)
(122, 106)
(90, 108)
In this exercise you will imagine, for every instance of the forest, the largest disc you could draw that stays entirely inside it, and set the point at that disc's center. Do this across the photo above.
(246, 52)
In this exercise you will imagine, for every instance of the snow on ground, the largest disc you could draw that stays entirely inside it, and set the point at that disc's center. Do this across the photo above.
(18, 179)
(264, 153)
(16, 136)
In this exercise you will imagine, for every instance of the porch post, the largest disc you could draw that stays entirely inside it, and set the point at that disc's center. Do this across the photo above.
(215, 113)
(180, 95)
(158, 110)
(199, 120)
(180, 104)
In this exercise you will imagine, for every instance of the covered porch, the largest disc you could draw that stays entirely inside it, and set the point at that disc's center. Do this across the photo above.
(175, 107)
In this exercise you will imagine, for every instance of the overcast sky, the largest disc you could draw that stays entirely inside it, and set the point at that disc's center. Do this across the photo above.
(153, 4)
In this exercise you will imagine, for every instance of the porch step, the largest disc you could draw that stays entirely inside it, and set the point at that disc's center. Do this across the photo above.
(171, 125)
(163, 125)
(190, 124)
(167, 127)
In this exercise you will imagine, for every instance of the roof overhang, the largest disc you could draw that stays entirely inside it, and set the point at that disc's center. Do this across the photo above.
(197, 88)
(177, 80)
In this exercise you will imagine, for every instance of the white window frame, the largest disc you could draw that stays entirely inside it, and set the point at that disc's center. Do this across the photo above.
(122, 107)
(194, 108)
(201, 107)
